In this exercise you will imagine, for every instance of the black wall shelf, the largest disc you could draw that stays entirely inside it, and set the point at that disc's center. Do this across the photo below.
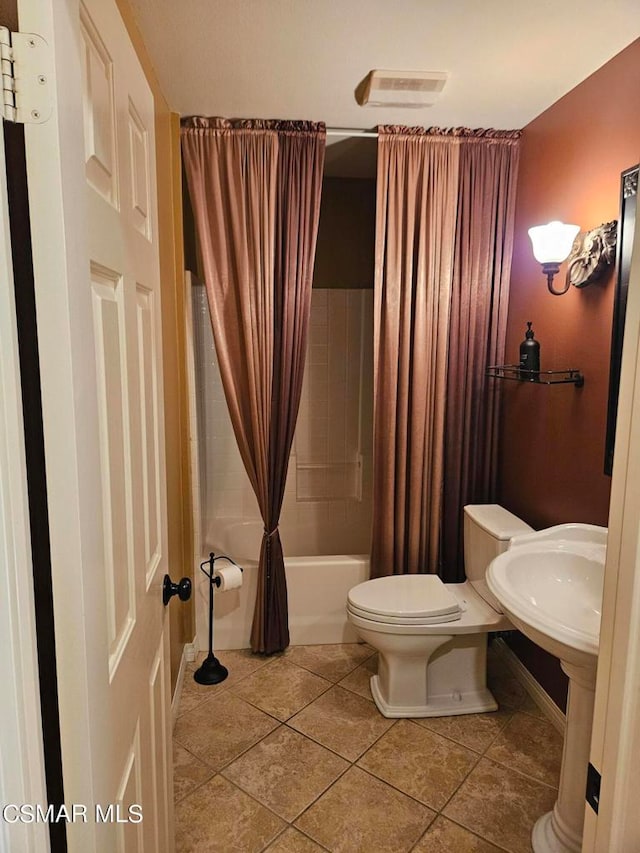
(514, 372)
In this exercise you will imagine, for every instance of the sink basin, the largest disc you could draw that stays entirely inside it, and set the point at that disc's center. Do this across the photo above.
(550, 585)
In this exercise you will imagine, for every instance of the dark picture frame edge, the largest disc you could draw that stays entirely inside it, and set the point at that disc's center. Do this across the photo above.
(626, 229)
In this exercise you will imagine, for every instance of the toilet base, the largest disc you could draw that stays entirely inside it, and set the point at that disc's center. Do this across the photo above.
(430, 676)
(448, 705)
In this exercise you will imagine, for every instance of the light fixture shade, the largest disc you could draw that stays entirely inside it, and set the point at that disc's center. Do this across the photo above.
(552, 242)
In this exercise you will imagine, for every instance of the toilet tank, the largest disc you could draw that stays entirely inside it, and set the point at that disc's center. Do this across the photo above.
(487, 531)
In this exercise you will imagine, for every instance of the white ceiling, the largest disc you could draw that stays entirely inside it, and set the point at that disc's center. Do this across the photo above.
(508, 60)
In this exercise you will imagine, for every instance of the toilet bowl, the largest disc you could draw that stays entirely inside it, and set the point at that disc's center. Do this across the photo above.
(431, 637)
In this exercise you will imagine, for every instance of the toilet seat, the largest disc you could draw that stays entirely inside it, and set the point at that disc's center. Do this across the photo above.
(399, 620)
(411, 600)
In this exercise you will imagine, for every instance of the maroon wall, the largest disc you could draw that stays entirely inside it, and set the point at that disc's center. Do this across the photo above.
(552, 438)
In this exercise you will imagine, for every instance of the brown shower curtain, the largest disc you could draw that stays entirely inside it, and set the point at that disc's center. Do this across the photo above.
(415, 226)
(255, 189)
(479, 301)
(443, 245)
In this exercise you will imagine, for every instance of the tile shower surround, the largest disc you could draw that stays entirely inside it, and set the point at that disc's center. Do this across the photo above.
(328, 497)
(290, 755)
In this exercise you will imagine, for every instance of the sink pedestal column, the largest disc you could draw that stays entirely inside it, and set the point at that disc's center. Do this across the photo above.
(560, 830)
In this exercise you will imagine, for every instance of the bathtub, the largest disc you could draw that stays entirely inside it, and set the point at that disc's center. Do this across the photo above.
(317, 592)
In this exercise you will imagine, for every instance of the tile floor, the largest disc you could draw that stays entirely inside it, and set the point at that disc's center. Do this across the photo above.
(290, 755)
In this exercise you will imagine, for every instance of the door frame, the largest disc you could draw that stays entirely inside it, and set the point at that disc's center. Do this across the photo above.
(615, 742)
(22, 772)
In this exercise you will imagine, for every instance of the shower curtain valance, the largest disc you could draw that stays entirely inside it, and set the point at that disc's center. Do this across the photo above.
(258, 124)
(463, 133)
(255, 190)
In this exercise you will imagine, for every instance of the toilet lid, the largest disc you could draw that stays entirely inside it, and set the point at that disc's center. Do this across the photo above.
(404, 598)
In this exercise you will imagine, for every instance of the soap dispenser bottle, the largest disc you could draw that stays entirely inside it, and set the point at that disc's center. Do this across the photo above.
(529, 357)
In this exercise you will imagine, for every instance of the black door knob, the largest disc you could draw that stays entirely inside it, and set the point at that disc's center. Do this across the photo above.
(182, 589)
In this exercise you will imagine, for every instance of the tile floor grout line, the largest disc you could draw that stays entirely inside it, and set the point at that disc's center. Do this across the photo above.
(244, 751)
(313, 840)
(218, 770)
(198, 706)
(433, 809)
(315, 799)
(477, 756)
(476, 832)
(334, 751)
(466, 829)
(520, 772)
(246, 701)
(295, 828)
(349, 762)
(346, 674)
(262, 805)
(198, 784)
(452, 739)
(192, 754)
(193, 790)
(206, 763)
(246, 793)
(313, 802)
(258, 708)
(326, 677)
(477, 835)
(302, 707)
(273, 840)
(461, 783)
(385, 732)
(351, 690)
(411, 796)
(317, 742)
(510, 767)
(427, 828)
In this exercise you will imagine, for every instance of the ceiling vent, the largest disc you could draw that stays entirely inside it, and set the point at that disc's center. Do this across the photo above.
(413, 89)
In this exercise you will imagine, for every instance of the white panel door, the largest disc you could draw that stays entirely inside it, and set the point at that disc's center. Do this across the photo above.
(92, 187)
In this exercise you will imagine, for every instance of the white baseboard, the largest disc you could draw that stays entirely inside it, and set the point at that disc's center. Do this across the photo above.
(188, 656)
(191, 650)
(533, 688)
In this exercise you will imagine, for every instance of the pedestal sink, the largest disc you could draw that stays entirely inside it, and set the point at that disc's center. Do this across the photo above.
(550, 585)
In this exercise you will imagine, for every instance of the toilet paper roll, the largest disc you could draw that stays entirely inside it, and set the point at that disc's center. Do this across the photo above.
(230, 577)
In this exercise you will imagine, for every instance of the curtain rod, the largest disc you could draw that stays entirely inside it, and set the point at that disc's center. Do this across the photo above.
(352, 132)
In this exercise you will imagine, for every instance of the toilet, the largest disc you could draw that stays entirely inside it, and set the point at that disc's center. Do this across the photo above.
(431, 637)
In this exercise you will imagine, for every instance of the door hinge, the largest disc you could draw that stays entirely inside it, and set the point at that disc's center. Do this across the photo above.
(593, 787)
(25, 60)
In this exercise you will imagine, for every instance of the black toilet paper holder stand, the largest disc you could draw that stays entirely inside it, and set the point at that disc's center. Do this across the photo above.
(211, 671)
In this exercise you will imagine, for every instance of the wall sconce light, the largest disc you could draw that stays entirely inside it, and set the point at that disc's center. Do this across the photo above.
(588, 254)
(551, 246)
